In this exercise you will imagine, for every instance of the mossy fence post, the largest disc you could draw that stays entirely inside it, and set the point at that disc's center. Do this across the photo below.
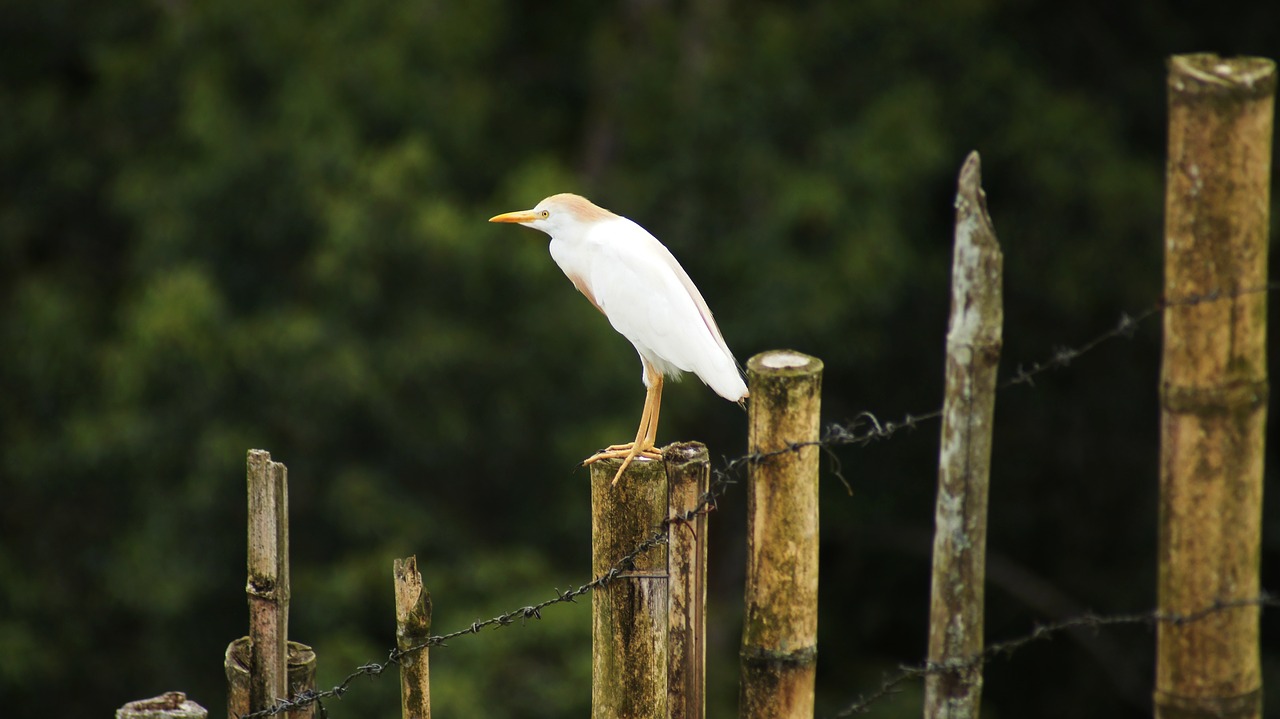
(629, 613)
(689, 478)
(964, 463)
(780, 630)
(1213, 384)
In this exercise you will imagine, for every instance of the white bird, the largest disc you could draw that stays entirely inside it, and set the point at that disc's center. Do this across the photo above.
(648, 298)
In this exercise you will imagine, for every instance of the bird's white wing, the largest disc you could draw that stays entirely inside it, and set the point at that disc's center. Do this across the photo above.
(649, 299)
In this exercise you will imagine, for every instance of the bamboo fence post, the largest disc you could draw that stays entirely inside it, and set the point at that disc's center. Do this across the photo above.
(302, 677)
(301, 672)
(265, 667)
(629, 613)
(689, 478)
(1213, 385)
(413, 627)
(268, 585)
(964, 461)
(780, 630)
(236, 666)
(170, 705)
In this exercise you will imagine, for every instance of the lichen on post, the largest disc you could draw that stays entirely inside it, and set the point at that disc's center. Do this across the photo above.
(974, 336)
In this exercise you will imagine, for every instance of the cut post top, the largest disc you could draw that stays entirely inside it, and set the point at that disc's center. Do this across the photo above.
(682, 453)
(784, 362)
(1207, 73)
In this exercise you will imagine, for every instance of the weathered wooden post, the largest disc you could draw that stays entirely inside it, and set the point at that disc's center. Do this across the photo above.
(1213, 385)
(170, 705)
(629, 614)
(301, 673)
(413, 627)
(964, 463)
(780, 631)
(689, 478)
(265, 667)
(268, 585)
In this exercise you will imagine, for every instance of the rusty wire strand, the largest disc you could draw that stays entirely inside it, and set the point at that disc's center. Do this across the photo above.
(891, 683)
(862, 430)
(706, 503)
(1125, 327)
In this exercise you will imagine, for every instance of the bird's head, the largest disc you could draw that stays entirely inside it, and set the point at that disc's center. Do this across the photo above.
(558, 215)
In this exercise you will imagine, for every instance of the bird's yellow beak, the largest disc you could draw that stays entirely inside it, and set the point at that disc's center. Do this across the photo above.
(517, 218)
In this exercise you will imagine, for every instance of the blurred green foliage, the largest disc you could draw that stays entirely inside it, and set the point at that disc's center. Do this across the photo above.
(242, 224)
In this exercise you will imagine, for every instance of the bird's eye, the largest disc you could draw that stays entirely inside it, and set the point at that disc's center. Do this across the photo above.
(544, 214)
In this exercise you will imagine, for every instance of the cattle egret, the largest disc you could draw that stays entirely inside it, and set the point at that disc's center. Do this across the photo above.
(648, 298)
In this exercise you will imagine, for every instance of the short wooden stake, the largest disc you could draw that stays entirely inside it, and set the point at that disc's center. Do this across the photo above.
(413, 627)
(302, 677)
(689, 477)
(780, 633)
(268, 585)
(170, 705)
(964, 464)
(629, 615)
(1213, 390)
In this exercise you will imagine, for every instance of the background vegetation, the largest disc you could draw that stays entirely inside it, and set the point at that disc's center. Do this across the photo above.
(242, 224)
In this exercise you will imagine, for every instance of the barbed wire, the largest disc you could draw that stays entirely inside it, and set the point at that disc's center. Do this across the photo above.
(862, 430)
(722, 479)
(890, 685)
(1125, 328)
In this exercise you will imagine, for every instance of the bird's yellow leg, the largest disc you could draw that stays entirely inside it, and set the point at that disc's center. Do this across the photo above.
(647, 435)
(643, 440)
(651, 435)
(643, 446)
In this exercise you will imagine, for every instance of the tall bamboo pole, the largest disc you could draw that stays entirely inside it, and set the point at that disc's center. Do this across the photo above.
(1213, 388)
(780, 630)
(629, 615)
(268, 584)
(964, 464)
(689, 477)
(413, 626)
(264, 666)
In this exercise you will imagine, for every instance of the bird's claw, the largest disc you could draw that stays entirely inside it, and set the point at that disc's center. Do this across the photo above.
(616, 451)
(626, 452)
(621, 451)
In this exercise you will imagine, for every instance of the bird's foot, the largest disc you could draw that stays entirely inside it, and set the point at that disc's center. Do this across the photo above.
(623, 451)
(627, 453)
